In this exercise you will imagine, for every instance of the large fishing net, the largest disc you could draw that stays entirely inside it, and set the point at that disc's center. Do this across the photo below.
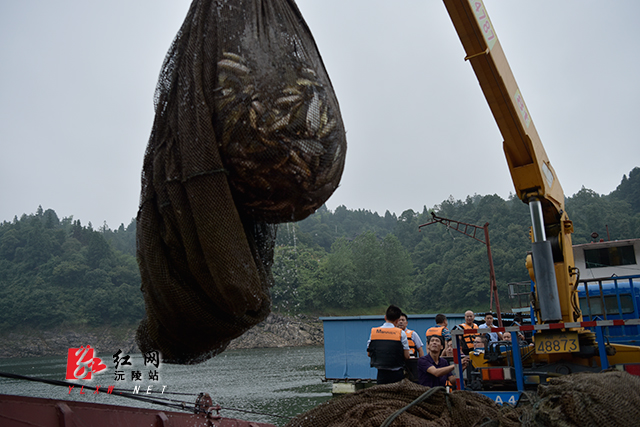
(247, 134)
(577, 400)
(587, 399)
(373, 406)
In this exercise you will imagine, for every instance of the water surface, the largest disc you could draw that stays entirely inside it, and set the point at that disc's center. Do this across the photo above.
(278, 381)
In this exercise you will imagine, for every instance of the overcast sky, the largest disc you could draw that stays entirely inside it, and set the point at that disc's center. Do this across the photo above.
(77, 81)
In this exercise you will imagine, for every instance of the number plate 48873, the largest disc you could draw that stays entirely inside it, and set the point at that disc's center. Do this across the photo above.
(557, 343)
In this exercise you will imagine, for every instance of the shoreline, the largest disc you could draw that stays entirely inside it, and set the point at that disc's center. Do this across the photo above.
(275, 331)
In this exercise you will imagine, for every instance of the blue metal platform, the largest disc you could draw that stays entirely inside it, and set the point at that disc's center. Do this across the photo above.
(345, 342)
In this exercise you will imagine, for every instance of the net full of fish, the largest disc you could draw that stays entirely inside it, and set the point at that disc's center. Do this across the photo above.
(247, 134)
(283, 146)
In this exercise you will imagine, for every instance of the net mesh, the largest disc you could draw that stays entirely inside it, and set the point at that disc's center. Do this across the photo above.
(372, 406)
(587, 399)
(247, 134)
(577, 400)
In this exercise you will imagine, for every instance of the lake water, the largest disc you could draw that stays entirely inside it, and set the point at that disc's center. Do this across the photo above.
(277, 381)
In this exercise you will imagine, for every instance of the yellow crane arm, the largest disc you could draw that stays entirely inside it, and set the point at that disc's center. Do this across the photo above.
(533, 176)
(530, 168)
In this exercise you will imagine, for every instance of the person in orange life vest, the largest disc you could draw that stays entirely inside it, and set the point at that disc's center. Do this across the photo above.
(467, 339)
(415, 343)
(440, 328)
(388, 348)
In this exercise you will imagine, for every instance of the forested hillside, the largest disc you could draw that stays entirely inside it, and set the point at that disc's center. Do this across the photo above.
(57, 271)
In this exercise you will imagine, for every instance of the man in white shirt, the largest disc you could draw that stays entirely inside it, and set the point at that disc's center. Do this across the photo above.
(388, 348)
(488, 323)
(415, 343)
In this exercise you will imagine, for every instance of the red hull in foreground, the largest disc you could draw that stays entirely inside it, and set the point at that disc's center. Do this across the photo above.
(20, 411)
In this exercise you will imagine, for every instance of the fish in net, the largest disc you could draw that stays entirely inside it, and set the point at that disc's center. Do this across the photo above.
(247, 134)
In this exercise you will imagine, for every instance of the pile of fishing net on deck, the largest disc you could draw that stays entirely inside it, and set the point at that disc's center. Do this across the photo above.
(580, 400)
(247, 134)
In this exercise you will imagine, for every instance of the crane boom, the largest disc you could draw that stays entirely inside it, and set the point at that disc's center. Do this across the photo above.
(529, 165)
(551, 263)
(533, 176)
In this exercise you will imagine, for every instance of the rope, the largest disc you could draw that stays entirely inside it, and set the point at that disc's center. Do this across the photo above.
(490, 423)
(156, 401)
(121, 392)
(419, 400)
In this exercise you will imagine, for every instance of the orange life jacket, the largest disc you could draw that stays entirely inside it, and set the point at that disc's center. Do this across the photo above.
(386, 348)
(413, 348)
(435, 330)
(467, 339)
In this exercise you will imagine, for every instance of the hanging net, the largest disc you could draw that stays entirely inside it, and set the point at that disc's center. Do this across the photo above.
(247, 134)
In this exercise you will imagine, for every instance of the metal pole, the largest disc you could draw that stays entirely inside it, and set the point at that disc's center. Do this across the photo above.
(455, 225)
(517, 360)
(457, 359)
(602, 349)
(492, 274)
(543, 267)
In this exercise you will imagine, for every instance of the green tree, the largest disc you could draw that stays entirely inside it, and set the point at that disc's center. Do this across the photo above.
(99, 253)
(396, 271)
(367, 256)
(50, 269)
(629, 190)
(293, 267)
(339, 273)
